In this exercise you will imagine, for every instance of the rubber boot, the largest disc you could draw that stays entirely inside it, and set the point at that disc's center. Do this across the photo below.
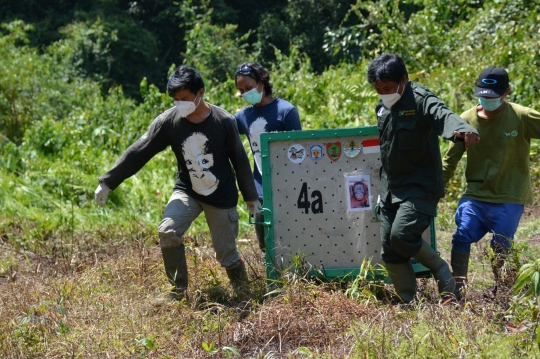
(238, 276)
(174, 259)
(460, 267)
(438, 267)
(404, 280)
(259, 231)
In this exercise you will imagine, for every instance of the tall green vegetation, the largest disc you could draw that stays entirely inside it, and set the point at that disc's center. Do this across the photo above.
(82, 80)
(60, 131)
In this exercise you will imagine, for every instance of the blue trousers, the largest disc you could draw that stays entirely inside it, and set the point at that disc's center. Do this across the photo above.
(474, 219)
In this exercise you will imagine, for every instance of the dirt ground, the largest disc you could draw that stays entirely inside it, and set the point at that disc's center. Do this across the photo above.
(24, 274)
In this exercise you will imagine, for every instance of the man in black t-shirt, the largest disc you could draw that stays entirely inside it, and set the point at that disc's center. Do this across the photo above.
(210, 159)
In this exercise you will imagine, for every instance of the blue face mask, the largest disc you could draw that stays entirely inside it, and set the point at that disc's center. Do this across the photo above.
(253, 96)
(490, 104)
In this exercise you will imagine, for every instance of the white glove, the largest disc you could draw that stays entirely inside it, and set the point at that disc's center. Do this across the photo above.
(253, 206)
(101, 193)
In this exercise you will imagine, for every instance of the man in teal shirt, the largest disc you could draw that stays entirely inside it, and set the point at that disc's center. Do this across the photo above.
(497, 172)
(410, 119)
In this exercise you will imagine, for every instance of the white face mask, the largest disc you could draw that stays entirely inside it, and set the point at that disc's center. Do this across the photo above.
(390, 99)
(186, 108)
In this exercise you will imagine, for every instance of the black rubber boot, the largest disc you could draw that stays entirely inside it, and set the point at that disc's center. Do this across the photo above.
(174, 259)
(460, 267)
(404, 280)
(238, 276)
(438, 267)
(259, 231)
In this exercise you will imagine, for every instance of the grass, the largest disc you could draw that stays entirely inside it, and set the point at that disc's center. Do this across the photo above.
(92, 295)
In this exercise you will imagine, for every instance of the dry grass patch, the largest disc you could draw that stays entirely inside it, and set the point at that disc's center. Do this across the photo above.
(84, 303)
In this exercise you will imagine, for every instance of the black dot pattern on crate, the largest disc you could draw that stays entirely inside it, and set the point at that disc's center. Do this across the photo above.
(333, 237)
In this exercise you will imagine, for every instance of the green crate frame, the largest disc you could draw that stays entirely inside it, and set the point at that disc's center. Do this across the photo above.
(346, 273)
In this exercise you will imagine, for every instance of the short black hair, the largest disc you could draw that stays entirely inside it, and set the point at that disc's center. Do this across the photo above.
(258, 73)
(387, 67)
(185, 77)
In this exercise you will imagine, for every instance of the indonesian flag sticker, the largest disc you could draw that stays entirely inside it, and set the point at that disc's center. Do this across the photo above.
(371, 146)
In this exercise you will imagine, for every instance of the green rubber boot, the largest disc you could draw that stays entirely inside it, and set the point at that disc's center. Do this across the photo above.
(404, 280)
(174, 259)
(460, 267)
(438, 267)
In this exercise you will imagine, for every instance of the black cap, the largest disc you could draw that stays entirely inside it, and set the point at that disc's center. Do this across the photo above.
(492, 82)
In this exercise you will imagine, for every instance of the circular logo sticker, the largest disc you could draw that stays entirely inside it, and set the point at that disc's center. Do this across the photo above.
(316, 152)
(296, 153)
(352, 148)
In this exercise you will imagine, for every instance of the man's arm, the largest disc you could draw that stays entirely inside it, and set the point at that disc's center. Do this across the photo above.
(292, 120)
(451, 159)
(240, 123)
(447, 124)
(240, 162)
(137, 155)
(532, 124)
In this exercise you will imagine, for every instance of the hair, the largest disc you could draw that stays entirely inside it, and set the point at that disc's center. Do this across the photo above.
(183, 78)
(361, 184)
(387, 67)
(259, 74)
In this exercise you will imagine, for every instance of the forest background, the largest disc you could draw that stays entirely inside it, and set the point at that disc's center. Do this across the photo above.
(82, 80)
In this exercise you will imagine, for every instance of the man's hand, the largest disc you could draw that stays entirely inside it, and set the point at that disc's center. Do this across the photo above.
(101, 193)
(469, 138)
(253, 206)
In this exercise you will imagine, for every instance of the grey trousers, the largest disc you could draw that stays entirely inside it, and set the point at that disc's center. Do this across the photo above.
(182, 210)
